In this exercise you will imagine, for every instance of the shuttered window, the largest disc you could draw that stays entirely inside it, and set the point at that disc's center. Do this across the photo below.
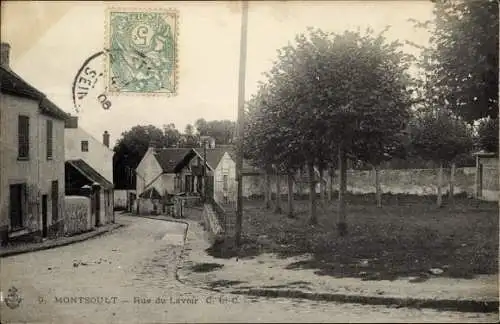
(49, 139)
(85, 146)
(23, 132)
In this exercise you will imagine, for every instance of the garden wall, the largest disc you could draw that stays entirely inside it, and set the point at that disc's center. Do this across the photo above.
(402, 181)
(77, 214)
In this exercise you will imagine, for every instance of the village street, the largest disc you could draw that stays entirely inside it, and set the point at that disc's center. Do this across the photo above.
(117, 273)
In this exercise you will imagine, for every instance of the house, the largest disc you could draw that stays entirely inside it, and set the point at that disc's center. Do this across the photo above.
(157, 170)
(79, 144)
(31, 158)
(181, 170)
(219, 171)
(89, 170)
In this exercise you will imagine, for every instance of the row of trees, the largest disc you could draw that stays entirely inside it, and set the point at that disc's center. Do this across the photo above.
(334, 97)
(133, 144)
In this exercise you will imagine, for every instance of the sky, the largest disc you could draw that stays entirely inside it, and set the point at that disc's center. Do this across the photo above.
(51, 40)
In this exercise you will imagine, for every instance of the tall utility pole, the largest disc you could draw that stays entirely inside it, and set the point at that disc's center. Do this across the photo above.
(241, 115)
(205, 178)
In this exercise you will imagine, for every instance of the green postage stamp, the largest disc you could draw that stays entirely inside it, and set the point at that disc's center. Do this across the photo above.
(142, 51)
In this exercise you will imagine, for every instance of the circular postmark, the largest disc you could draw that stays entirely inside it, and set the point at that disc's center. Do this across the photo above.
(89, 83)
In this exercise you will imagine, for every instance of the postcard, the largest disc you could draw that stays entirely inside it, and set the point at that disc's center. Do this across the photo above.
(249, 161)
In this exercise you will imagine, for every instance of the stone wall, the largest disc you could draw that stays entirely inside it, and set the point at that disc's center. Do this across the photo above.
(403, 181)
(77, 214)
(211, 223)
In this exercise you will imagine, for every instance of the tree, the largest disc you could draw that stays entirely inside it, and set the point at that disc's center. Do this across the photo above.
(189, 130)
(221, 130)
(171, 136)
(462, 62)
(130, 149)
(201, 126)
(487, 138)
(441, 137)
(269, 141)
(189, 139)
(378, 147)
(340, 90)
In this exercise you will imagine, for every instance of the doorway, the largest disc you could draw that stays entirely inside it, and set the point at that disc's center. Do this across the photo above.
(97, 199)
(45, 200)
(16, 205)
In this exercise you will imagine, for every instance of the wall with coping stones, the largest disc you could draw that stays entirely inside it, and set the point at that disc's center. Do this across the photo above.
(402, 181)
(77, 214)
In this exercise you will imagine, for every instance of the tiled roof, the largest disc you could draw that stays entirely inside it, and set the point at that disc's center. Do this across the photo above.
(168, 158)
(90, 173)
(214, 155)
(12, 83)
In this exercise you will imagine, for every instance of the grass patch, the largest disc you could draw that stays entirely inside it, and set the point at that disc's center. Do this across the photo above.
(406, 237)
(206, 267)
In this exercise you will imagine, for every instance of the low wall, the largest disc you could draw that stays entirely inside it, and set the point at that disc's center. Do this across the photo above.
(411, 181)
(211, 223)
(77, 214)
(402, 181)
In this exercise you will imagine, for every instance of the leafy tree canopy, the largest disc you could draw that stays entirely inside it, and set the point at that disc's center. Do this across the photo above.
(488, 135)
(440, 136)
(327, 89)
(462, 62)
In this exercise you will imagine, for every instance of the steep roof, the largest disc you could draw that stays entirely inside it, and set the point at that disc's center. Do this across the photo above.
(168, 158)
(90, 173)
(214, 155)
(12, 83)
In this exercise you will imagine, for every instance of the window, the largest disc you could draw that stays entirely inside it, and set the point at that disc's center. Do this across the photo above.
(85, 146)
(225, 182)
(23, 134)
(49, 139)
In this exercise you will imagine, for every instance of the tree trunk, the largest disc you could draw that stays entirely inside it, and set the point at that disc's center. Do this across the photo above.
(267, 190)
(277, 209)
(322, 186)
(452, 184)
(440, 185)
(331, 175)
(342, 224)
(378, 190)
(312, 195)
(290, 195)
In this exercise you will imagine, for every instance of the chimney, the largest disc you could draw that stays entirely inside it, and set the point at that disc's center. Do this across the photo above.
(5, 54)
(105, 138)
(71, 122)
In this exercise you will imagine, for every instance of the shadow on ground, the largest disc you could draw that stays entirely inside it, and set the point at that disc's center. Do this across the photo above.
(408, 237)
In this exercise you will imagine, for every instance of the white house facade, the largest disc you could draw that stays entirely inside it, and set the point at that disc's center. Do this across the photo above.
(79, 144)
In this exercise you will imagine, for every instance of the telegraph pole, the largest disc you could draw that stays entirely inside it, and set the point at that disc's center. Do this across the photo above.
(205, 178)
(241, 113)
